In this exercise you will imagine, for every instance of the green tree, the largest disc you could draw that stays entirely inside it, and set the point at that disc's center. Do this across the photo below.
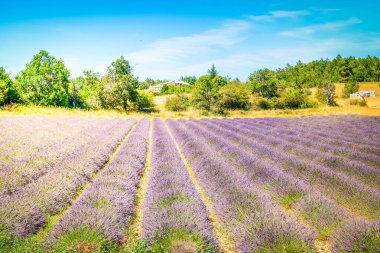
(264, 83)
(326, 76)
(7, 91)
(350, 87)
(84, 90)
(189, 79)
(205, 93)
(44, 81)
(119, 89)
(212, 72)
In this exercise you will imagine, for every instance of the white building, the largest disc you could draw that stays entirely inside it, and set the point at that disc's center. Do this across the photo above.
(363, 94)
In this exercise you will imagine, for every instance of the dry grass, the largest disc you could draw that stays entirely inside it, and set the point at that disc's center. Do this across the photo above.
(364, 86)
(373, 109)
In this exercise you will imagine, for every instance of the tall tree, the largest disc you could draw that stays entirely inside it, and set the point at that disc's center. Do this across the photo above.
(119, 86)
(7, 91)
(205, 94)
(212, 72)
(264, 83)
(44, 81)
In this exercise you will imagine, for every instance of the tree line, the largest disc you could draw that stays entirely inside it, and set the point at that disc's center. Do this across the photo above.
(46, 81)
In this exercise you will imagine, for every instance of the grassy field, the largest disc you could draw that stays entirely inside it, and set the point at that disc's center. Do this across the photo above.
(345, 108)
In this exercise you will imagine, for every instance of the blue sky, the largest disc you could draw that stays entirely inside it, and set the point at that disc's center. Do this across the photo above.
(167, 39)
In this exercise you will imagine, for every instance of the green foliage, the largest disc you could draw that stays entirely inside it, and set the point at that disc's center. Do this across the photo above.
(164, 89)
(84, 90)
(177, 103)
(119, 87)
(144, 102)
(294, 98)
(263, 103)
(44, 81)
(180, 241)
(234, 97)
(350, 87)
(205, 94)
(359, 102)
(290, 198)
(7, 91)
(320, 96)
(147, 83)
(219, 81)
(84, 240)
(212, 72)
(172, 89)
(189, 79)
(287, 244)
(264, 83)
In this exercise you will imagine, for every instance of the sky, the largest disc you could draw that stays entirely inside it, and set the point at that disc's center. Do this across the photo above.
(173, 38)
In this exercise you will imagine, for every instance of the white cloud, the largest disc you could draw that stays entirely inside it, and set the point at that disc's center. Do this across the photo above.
(330, 26)
(273, 15)
(177, 48)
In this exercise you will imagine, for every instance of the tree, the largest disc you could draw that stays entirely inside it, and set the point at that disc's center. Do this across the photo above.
(189, 79)
(84, 90)
(7, 91)
(219, 81)
(44, 81)
(212, 72)
(264, 83)
(326, 75)
(119, 86)
(350, 87)
(205, 94)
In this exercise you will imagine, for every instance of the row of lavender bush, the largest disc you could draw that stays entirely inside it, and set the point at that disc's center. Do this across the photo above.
(173, 208)
(349, 234)
(307, 140)
(364, 172)
(106, 205)
(344, 189)
(30, 153)
(25, 211)
(321, 214)
(247, 212)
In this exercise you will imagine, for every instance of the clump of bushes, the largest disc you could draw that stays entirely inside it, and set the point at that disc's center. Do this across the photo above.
(359, 102)
(177, 103)
(234, 97)
(144, 102)
(291, 99)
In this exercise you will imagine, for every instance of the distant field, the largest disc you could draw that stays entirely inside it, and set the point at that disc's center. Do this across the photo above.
(304, 184)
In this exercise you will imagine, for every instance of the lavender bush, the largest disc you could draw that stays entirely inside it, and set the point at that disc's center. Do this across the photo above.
(173, 210)
(53, 191)
(107, 204)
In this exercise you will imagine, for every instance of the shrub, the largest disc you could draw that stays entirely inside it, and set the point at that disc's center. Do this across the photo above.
(277, 103)
(320, 96)
(294, 98)
(263, 103)
(359, 102)
(349, 88)
(177, 103)
(144, 102)
(234, 97)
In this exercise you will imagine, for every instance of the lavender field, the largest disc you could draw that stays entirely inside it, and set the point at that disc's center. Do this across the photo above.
(308, 184)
